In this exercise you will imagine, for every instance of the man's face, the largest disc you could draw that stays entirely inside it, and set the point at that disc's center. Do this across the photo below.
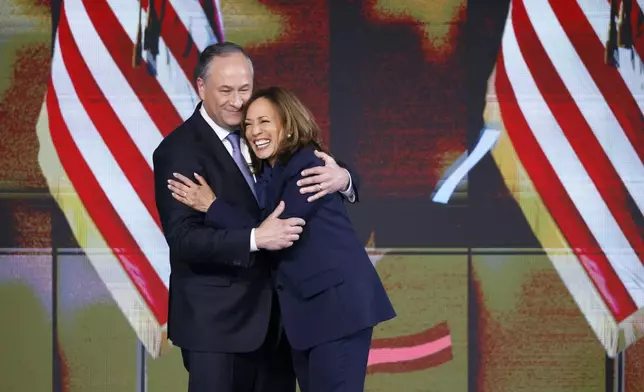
(228, 85)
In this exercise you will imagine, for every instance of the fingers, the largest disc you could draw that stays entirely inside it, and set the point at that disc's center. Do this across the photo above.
(203, 185)
(316, 179)
(178, 188)
(188, 182)
(322, 155)
(292, 230)
(284, 245)
(312, 171)
(287, 232)
(277, 211)
(292, 237)
(317, 188)
(318, 195)
(200, 179)
(287, 241)
(181, 199)
(325, 157)
(295, 222)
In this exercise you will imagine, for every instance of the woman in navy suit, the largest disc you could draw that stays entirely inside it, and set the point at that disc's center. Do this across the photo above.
(329, 293)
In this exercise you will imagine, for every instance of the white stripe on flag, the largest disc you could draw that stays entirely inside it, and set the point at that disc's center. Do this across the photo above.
(107, 172)
(111, 81)
(192, 16)
(173, 81)
(587, 297)
(566, 164)
(598, 14)
(221, 18)
(588, 98)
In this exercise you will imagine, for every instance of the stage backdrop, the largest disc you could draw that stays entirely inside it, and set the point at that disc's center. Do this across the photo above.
(500, 144)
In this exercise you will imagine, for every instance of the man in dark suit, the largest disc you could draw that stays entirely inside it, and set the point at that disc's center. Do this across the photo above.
(221, 309)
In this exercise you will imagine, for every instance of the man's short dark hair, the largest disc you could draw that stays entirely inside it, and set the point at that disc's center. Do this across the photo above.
(220, 49)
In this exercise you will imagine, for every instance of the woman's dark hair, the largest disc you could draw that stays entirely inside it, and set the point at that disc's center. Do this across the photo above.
(299, 129)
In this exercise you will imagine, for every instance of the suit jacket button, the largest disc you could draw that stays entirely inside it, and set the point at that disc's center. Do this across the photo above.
(279, 287)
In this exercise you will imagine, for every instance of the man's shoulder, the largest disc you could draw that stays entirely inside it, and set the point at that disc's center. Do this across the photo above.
(181, 137)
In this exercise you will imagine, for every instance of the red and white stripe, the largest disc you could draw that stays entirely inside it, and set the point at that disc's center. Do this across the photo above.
(107, 117)
(577, 126)
(172, 80)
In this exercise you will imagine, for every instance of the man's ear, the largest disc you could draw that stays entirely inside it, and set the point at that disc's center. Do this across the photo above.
(201, 88)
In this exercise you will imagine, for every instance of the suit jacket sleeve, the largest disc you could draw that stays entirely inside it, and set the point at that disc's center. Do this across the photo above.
(355, 180)
(188, 237)
(296, 204)
(223, 215)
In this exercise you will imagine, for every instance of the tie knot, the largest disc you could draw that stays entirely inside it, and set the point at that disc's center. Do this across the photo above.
(233, 138)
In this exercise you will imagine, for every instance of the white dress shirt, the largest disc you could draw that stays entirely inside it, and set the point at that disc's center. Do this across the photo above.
(223, 135)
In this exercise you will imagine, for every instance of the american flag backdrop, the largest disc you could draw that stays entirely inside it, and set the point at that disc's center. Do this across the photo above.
(569, 86)
(121, 80)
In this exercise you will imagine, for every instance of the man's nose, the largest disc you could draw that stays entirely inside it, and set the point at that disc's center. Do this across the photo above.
(236, 100)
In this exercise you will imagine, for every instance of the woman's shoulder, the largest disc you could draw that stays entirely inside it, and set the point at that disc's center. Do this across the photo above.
(302, 159)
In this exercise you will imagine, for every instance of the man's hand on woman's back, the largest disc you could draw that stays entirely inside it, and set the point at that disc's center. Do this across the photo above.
(275, 233)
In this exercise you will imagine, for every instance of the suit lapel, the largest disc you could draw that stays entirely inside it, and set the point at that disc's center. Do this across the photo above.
(210, 143)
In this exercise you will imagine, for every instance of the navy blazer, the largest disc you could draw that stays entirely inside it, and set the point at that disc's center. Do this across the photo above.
(326, 284)
(213, 271)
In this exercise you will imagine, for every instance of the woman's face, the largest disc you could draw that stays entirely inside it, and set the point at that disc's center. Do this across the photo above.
(263, 129)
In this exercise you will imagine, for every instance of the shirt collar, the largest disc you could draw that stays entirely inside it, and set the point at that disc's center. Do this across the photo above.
(221, 132)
